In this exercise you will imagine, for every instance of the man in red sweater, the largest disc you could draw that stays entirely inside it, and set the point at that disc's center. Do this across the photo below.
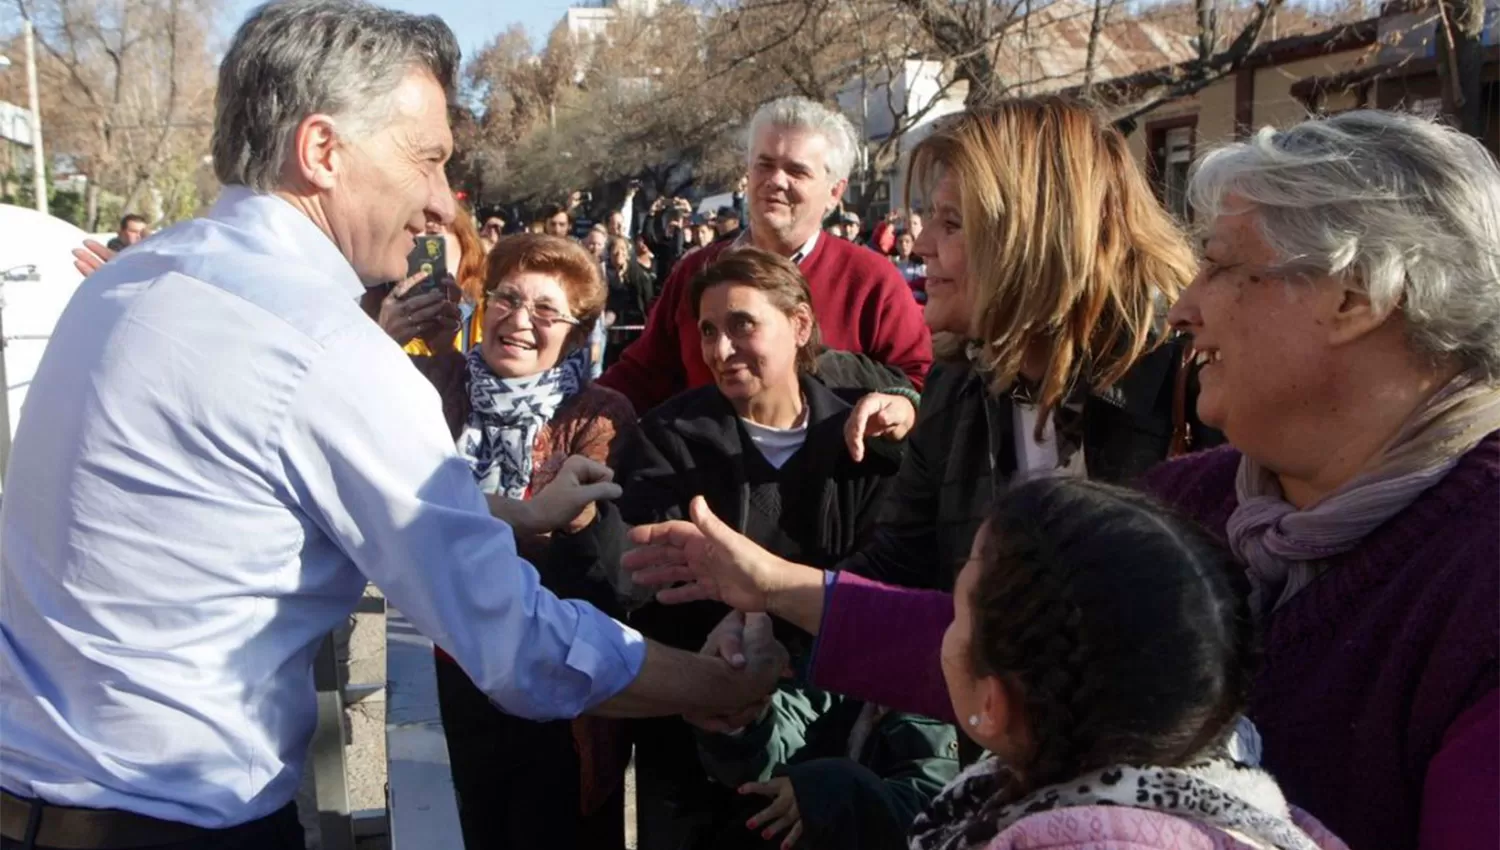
(800, 156)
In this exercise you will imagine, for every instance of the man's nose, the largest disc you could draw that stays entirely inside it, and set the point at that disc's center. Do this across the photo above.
(441, 205)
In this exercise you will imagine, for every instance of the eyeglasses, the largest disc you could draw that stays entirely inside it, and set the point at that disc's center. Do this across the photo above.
(503, 302)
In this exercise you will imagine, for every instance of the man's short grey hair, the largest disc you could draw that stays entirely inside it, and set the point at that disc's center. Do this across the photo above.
(808, 115)
(292, 59)
(1407, 208)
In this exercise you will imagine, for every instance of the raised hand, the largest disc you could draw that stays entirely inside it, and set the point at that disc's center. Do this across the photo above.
(91, 257)
(878, 415)
(710, 558)
(430, 316)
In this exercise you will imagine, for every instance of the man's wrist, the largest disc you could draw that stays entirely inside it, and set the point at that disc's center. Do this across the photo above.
(520, 514)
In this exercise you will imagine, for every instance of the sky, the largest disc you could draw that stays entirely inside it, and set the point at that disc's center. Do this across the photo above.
(475, 22)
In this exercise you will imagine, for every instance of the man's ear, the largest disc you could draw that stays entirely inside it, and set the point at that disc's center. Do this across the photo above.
(838, 195)
(317, 156)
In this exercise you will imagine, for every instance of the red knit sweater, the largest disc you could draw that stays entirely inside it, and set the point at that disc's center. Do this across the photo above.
(862, 303)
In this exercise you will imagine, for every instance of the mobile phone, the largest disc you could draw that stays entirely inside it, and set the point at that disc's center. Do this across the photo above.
(428, 256)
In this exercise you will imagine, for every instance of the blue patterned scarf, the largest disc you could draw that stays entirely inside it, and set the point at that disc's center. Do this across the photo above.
(505, 416)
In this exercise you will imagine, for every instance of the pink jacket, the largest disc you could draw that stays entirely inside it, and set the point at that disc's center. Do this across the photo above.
(1122, 828)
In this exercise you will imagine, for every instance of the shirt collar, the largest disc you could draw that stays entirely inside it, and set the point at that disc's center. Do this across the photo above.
(287, 229)
(798, 255)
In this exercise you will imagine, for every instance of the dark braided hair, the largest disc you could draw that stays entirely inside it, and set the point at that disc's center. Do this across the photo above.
(1123, 629)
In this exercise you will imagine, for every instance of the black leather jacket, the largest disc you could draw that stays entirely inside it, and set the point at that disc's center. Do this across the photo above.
(961, 453)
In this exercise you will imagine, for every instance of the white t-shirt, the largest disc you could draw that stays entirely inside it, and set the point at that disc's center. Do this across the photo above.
(777, 445)
(1034, 457)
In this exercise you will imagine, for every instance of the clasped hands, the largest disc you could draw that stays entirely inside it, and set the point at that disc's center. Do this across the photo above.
(706, 559)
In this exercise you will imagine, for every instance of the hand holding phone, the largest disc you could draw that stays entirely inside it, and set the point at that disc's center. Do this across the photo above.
(429, 256)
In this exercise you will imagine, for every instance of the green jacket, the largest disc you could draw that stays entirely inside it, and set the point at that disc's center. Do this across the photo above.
(805, 735)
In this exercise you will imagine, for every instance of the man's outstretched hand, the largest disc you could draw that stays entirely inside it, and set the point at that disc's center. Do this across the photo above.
(567, 501)
(727, 642)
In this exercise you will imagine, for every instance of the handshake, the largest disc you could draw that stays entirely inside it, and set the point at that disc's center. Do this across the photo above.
(741, 663)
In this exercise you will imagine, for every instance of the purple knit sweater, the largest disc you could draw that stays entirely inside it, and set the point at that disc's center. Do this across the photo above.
(1366, 669)
(1377, 701)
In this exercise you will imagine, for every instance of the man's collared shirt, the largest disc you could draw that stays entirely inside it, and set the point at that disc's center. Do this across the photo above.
(743, 240)
(218, 451)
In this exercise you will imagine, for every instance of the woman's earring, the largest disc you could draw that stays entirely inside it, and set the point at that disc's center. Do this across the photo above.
(974, 720)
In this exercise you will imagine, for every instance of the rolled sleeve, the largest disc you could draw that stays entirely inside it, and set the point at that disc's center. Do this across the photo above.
(368, 458)
(607, 652)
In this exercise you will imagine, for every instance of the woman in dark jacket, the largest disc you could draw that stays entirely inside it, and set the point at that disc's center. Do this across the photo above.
(764, 446)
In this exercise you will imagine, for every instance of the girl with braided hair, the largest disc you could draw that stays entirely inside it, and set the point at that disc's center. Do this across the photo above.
(1102, 649)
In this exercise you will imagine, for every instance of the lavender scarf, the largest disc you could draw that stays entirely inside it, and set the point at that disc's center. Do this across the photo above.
(1284, 548)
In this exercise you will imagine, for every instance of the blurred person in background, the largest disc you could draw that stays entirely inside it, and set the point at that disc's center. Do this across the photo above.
(911, 266)
(850, 226)
(666, 233)
(621, 222)
(883, 234)
(727, 222)
(132, 230)
(643, 256)
(914, 224)
(595, 241)
(704, 230)
(491, 231)
(631, 288)
(555, 220)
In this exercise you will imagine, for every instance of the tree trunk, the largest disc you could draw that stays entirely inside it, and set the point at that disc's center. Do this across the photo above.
(1461, 62)
(91, 216)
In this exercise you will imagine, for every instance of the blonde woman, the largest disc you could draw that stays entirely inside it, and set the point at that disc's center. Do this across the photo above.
(1050, 266)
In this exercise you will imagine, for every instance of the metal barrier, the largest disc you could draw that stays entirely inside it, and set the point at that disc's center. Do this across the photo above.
(326, 754)
(419, 785)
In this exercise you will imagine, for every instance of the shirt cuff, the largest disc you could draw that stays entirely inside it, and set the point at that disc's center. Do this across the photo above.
(605, 650)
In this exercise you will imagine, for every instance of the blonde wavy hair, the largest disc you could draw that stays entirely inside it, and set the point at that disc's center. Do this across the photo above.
(1065, 243)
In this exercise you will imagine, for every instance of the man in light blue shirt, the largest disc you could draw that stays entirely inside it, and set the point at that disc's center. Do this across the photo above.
(220, 449)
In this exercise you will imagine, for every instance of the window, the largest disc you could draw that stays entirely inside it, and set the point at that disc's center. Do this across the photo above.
(1171, 154)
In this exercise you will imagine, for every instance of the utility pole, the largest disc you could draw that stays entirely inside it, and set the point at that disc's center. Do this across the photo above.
(4, 392)
(38, 161)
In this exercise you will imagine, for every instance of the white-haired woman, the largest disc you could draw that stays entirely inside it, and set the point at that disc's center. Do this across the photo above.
(1348, 315)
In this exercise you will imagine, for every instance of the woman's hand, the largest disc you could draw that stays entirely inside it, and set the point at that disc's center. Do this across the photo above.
(878, 415)
(430, 316)
(714, 560)
(781, 814)
(91, 257)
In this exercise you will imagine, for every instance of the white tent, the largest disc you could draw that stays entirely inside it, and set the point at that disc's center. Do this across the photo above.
(38, 279)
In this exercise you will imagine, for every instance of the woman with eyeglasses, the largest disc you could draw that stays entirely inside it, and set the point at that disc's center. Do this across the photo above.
(519, 404)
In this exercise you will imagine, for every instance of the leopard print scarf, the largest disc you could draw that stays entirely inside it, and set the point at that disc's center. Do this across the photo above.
(1225, 789)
